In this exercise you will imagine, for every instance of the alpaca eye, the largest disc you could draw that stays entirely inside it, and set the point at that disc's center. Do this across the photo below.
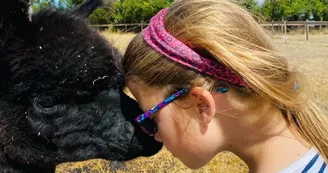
(45, 104)
(46, 101)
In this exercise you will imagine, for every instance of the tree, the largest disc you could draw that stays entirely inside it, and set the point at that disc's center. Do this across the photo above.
(135, 11)
(131, 11)
(250, 5)
(319, 9)
(123, 11)
(294, 9)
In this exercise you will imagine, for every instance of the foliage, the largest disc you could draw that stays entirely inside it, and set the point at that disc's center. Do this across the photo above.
(132, 11)
(123, 11)
(294, 9)
(135, 11)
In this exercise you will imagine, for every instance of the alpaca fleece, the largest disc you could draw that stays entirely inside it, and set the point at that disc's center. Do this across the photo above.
(61, 97)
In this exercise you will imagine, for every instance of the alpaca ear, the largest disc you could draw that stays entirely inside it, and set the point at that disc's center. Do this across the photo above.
(14, 26)
(14, 16)
(86, 8)
(4, 71)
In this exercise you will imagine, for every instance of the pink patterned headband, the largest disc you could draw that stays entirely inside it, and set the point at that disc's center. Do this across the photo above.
(164, 43)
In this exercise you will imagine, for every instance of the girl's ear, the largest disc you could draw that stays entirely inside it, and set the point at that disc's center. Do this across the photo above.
(205, 104)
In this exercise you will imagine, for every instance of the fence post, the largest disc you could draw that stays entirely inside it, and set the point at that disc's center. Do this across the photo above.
(304, 29)
(285, 30)
(272, 28)
(126, 28)
(307, 29)
(141, 25)
(320, 28)
(282, 26)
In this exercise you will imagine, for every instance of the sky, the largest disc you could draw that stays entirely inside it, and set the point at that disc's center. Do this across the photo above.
(260, 1)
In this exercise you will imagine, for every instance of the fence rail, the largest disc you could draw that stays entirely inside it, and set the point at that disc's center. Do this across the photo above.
(290, 23)
(273, 24)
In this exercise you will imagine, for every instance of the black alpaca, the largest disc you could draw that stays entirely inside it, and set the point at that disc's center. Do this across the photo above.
(60, 92)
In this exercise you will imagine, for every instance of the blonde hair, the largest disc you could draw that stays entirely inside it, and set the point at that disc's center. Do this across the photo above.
(226, 32)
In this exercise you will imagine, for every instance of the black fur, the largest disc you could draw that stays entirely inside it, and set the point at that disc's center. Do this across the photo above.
(61, 97)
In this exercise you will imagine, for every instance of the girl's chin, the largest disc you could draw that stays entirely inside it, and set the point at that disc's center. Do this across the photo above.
(174, 155)
(193, 164)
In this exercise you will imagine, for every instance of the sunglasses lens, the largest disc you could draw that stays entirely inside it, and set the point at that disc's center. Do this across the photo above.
(149, 126)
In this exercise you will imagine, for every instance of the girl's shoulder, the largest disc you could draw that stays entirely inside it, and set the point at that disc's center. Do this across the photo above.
(311, 162)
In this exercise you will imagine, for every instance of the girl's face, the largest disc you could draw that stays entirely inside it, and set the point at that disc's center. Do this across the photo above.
(184, 127)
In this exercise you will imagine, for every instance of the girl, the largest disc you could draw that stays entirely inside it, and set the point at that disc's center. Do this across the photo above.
(230, 91)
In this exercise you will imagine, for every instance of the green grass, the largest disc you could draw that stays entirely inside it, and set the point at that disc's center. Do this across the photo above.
(310, 57)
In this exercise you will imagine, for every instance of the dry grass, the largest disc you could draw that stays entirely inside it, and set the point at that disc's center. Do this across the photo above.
(119, 40)
(310, 57)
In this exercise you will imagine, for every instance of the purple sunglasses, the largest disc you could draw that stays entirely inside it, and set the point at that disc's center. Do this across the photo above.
(147, 124)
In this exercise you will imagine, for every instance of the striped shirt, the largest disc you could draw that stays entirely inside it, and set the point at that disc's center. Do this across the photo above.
(311, 162)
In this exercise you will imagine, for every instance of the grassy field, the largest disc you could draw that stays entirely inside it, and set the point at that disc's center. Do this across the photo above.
(310, 57)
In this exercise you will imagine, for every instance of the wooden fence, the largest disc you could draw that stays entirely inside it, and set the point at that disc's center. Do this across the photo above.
(125, 25)
(305, 24)
(269, 25)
